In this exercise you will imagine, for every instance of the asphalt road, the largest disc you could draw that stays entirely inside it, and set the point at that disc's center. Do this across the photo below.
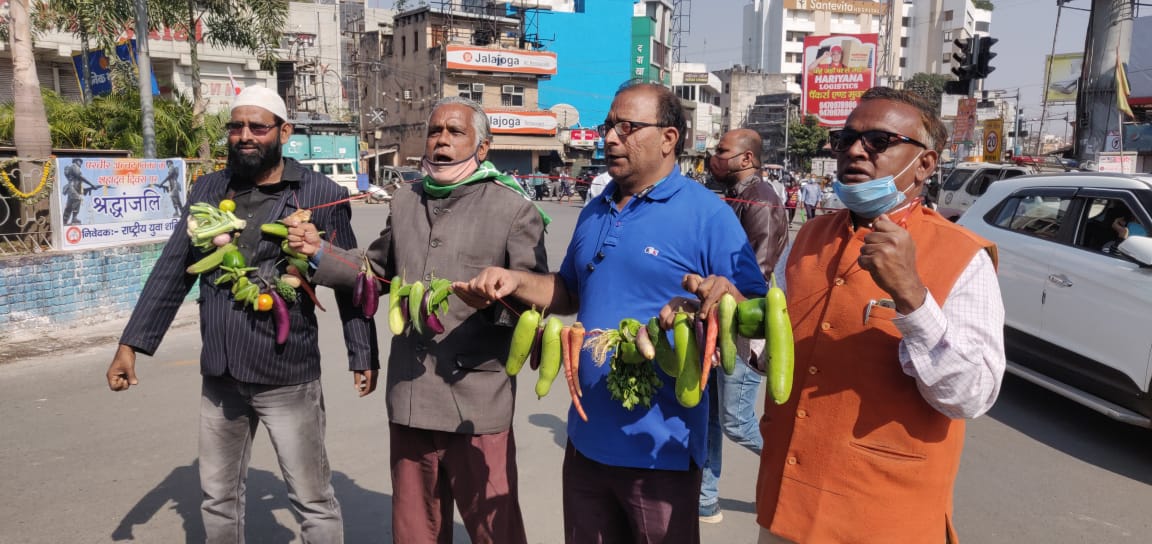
(81, 464)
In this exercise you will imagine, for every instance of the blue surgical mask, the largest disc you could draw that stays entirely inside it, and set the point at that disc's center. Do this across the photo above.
(872, 198)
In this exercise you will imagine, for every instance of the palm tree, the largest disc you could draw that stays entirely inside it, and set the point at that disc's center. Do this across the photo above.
(87, 20)
(31, 133)
(253, 26)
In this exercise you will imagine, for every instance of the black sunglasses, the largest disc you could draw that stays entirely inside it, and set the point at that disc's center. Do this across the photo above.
(624, 128)
(874, 141)
(257, 129)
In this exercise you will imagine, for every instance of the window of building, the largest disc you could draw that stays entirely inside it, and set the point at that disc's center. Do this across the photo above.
(794, 57)
(905, 21)
(403, 45)
(511, 95)
(947, 58)
(472, 91)
(801, 14)
(727, 88)
(981, 26)
(796, 36)
(579, 6)
(415, 41)
(904, 41)
(948, 15)
(903, 64)
(688, 92)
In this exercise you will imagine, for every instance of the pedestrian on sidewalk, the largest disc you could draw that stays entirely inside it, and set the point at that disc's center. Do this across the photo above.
(248, 377)
(633, 475)
(791, 200)
(732, 404)
(450, 402)
(810, 194)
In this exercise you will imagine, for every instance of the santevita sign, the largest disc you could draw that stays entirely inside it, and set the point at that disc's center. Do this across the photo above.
(462, 57)
(870, 7)
(522, 122)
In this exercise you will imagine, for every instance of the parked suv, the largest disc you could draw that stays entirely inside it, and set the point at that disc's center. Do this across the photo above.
(392, 177)
(1075, 271)
(969, 180)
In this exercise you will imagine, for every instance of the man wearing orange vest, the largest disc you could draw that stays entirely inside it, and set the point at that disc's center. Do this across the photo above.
(899, 337)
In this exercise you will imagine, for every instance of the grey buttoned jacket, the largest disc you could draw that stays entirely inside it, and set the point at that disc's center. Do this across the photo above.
(454, 381)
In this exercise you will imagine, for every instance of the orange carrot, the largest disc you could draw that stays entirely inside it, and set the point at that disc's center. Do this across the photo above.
(571, 364)
(566, 348)
(578, 345)
(710, 335)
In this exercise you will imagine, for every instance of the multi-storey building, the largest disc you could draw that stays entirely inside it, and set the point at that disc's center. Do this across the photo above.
(758, 100)
(309, 73)
(915, 36)
(474, 50)
(693, 83)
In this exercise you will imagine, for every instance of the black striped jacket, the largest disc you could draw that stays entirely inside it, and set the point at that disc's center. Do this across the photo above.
(239, 341)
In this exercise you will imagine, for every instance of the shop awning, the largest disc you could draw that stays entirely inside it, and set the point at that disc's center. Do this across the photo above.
(518, 142)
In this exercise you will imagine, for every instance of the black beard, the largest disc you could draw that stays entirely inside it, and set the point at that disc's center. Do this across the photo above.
(251, 167)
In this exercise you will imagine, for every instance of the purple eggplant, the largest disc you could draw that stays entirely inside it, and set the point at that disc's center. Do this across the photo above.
(536, 347)
(371, 296)
(429, 316)
(434, 324)
(280, 314)
(358, 291)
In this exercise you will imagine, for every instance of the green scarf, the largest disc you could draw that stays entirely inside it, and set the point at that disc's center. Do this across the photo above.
(484, 172)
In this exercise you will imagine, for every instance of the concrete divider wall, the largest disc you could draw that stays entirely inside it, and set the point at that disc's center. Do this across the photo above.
(73, 288)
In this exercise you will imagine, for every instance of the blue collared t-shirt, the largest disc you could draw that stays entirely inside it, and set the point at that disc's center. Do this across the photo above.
(629, 263)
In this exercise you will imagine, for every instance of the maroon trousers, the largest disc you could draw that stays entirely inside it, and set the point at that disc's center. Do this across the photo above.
(433, 469)
(604, 504)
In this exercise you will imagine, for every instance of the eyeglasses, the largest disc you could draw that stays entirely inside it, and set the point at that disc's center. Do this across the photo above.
(624, 128)
(874, 141)
(257, 129)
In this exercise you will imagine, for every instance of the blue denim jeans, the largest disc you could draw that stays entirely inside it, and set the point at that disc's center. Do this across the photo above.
(731, 413)
(294, 416)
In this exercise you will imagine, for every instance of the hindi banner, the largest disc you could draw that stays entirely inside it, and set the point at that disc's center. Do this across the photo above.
(114, 201)
(837, 70)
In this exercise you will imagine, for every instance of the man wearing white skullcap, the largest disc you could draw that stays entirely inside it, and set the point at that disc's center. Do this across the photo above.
(251, 373)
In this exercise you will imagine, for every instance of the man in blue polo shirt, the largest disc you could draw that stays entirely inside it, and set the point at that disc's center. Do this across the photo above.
(627, 472)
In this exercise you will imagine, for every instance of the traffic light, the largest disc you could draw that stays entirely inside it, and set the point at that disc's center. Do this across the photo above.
(965, 66)
(984, 56)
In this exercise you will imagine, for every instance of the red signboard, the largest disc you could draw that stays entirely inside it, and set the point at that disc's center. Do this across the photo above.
(584, 135)
(487, 59)
(837, 70)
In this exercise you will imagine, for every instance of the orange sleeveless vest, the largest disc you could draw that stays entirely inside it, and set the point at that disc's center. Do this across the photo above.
(856, 454)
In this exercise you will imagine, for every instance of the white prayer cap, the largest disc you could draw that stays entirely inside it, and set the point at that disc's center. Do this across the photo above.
(262, 97)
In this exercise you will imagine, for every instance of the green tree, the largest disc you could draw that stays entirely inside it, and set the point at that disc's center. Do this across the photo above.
(88, 20)
(30, 122)
(805, 139)
(930, 86)
(252, 26)
(113, 122)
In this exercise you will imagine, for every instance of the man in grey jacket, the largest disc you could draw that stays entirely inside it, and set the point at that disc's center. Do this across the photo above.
(449, 400)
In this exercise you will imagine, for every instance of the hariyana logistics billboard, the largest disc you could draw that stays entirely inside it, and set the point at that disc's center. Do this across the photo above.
(837, 70)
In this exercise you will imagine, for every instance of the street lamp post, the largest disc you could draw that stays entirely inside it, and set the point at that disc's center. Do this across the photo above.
(787, 121)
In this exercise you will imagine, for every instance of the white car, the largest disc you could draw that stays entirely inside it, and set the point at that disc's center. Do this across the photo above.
(1077, 296)
(968, 180)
